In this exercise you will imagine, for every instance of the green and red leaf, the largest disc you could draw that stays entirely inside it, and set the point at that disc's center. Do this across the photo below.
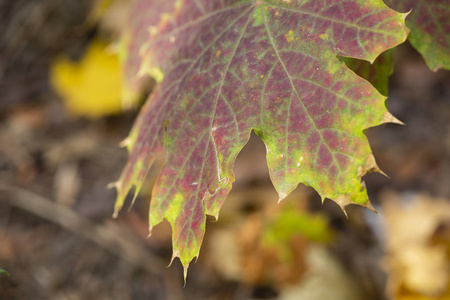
(142, 17)
(233, 66)
(429, 22)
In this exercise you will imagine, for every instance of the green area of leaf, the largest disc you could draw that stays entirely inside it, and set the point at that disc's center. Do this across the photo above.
(3, 272)
(291, 222)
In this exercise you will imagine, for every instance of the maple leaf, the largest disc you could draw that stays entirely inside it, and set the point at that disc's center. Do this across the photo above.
(430, 29)
(271, 66)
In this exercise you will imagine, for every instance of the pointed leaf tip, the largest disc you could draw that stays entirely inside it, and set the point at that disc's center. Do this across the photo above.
(185, 273)
(150, 229)
(282, 196)
(112, 185)
(135, 195)
(343, 201)
(125, 142)
(389, 118)
(379, 171)
(369, 206)
(175, 254)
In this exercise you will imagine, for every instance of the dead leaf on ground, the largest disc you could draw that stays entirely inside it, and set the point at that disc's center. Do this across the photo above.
(417, 245)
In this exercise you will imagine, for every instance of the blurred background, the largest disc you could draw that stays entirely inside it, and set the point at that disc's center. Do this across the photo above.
(61, 121)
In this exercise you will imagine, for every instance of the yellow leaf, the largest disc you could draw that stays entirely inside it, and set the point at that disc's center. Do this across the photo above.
(92, 86)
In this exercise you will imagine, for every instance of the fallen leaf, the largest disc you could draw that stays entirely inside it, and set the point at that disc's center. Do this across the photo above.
(92, 86)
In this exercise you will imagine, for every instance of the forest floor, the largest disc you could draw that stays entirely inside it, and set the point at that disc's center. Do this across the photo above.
(59, 241)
